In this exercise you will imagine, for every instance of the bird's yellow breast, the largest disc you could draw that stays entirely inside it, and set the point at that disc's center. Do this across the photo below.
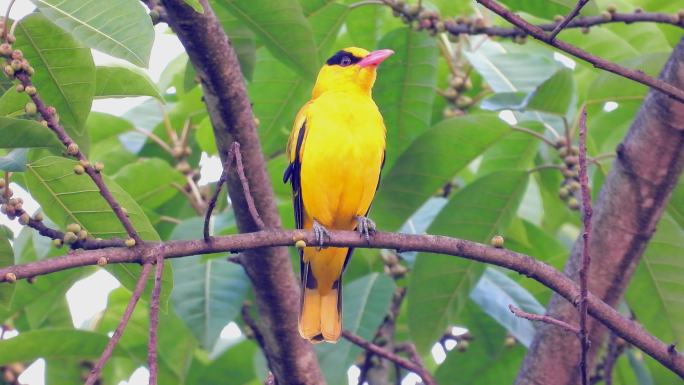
(341, 158)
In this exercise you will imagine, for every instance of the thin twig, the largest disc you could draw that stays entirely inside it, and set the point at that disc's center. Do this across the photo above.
(213, 200)
(567, 19)
(137, 292)
(154, 320)
(184, 132)
(195, 191)
(586, 258)
(173, 137)
(423, 373)
(155, 139)
(6, 20)
(6, 192)
(543, 318)
(598, 62)
(612, 354)
(235, 149)
(535, 134)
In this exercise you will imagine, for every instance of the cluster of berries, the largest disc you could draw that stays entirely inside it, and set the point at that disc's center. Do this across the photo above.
(570, 187)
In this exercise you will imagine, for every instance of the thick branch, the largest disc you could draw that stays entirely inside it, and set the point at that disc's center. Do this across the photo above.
(626, 212)
(526, 265)
(276, 289)
(540, 34)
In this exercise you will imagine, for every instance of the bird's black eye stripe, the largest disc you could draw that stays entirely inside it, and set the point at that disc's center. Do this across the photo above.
(343, 58)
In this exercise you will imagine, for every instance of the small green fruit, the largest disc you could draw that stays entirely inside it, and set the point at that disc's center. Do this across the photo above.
(72, 149)
(73, 227)
(57, 243)
(99, 166)
(30, 90)
(300, 244)
(573, 203)
(70, 237)
(497, 241)
(82, 235)
(19, 88)
(130, 242)
(30, 108)
(78, 169)
(24, 219)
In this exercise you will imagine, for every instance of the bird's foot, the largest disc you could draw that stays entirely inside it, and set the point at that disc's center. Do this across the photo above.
(365, 226)
(320, 232)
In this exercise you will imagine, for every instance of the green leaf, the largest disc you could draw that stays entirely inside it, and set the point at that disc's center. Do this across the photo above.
(656, 292)
(514, 152)
(14, 161)
(120, 28)
(103, 126)
(238, 360)
(120, 82)
(205, 137)
(277, 93)
(366, 301)
(555, 95)
(241, 37)
(495, 291)
(363, 26)
(65, 72)
(59, 371)
(6, 259)
(195, 4)
(505, 101)
(70, 198)
(477, 212)
(487, 360)
(506, 70)
(326, 23)
(12, 103)
(54, 343)
(430, 161)
(26, 133)
(283, 29)
(405, 89)
(209, 292)
(150, 182)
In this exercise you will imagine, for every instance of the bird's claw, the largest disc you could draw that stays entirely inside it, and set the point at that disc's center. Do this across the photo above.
(365, 227)
(320, 232)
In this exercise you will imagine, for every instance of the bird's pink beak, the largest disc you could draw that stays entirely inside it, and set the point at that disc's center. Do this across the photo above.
(376, 57)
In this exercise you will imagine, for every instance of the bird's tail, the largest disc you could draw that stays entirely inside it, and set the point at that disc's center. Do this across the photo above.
(320, 318)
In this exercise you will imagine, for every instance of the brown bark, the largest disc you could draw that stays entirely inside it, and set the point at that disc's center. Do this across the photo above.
(649, 162)
(291, 359)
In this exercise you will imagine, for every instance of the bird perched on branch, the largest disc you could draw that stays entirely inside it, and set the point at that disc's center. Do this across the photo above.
(336, 151)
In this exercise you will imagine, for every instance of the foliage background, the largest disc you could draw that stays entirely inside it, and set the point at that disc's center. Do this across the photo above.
(454, 166)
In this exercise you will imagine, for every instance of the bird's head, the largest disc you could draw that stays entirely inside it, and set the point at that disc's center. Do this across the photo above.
(350, 69)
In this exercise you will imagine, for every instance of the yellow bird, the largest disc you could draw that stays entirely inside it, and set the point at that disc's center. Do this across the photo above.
(336, 151)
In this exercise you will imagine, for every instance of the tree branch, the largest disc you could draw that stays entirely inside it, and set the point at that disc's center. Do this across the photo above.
(628, 207)
(423, 373)
(540, 34)
(291, 358)
(586, 258)
(524, 264)
(137, 292)
(543, 318)
(154, 320)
